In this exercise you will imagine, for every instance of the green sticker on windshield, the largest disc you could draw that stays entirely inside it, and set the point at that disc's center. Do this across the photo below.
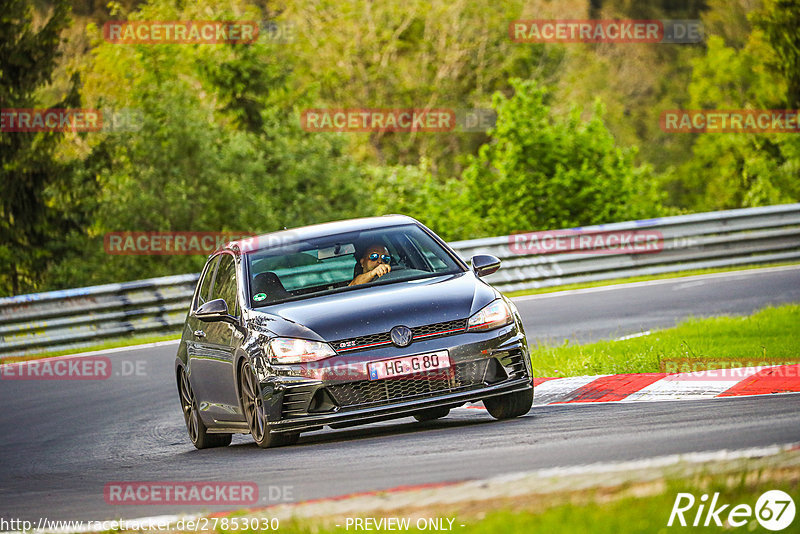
(259, 297)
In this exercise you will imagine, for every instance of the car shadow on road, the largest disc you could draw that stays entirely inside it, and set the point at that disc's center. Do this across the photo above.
(400, 427)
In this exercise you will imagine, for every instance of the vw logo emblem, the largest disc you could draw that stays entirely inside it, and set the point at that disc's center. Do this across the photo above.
(401, 336)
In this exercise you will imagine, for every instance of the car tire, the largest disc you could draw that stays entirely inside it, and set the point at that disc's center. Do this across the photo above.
(198, 432)
(253, 407)
(509, 405)
(431, 414)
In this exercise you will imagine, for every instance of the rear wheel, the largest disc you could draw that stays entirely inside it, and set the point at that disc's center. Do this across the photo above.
(431, 414)
(253, 406)
(198, 432)
(509, 405)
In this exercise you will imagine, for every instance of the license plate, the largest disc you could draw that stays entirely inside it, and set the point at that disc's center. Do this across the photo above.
(409, 365)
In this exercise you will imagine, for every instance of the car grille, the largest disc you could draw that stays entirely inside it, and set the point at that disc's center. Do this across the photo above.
(515, 365)
(295, 401)
(376, 392)
(419, 332)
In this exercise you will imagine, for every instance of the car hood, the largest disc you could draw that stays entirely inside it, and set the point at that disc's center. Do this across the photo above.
(376, 309)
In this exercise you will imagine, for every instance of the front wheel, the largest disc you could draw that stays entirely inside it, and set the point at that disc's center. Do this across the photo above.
(198, 432)
(253, 406)
(509, 405)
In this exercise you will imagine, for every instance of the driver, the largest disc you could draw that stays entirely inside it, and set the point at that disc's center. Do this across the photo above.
(374, 263)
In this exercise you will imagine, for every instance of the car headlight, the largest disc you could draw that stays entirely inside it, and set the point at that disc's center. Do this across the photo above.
(495, 315)
(291, 350)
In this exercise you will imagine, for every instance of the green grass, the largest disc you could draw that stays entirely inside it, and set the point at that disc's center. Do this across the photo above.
(665, 276)
(108, 344)
(631, 514)
(772, 334)
(627, 508)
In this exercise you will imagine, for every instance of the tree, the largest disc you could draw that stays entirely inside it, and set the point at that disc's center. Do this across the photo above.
(542, 171)
(780, 20)
(412, 190)
(31, 220)
(217, 146)
(635, 81)
(735, 170)
(414, 54)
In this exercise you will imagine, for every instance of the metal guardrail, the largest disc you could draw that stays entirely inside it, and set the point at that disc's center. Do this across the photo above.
(696, 241)
(73, 318)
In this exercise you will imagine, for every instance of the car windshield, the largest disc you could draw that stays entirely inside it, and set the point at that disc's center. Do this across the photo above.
(328, 264)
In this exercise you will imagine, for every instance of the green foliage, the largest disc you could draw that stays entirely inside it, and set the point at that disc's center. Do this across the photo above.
(414, 191)
(218, 148)
(218, 144)
(733, 170)
(33, 220)
(780, 21)
(636, 81)
(412, 54)
(542, 171)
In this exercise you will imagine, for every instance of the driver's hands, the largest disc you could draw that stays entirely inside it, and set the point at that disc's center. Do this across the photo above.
(371, 276)
(380, 270)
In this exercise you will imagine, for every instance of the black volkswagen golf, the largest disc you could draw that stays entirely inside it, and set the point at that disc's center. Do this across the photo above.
(341, 324)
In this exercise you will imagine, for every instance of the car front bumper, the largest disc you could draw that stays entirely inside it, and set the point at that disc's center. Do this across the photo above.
(401, 408)
(495, 363)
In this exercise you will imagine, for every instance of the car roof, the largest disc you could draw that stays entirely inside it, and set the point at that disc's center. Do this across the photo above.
(318, 230)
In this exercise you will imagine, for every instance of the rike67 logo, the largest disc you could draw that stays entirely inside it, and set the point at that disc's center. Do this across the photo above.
(774, 510)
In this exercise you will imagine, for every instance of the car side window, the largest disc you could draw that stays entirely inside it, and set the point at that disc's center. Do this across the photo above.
(225, 283)
(205, 283)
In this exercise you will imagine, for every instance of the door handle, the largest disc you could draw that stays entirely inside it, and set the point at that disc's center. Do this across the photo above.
(199, 333)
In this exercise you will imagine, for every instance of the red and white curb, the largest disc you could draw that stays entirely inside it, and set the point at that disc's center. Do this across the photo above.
(735, 382)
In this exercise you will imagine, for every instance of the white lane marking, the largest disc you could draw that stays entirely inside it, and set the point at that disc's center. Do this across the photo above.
(98, 352)
(631, 336)
(558, 389)
(664, 390)
(690, 386)
(689, 285)
(646, 283)
(658, 461)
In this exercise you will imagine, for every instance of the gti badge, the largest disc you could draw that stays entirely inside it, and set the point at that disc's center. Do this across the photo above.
(401, 336)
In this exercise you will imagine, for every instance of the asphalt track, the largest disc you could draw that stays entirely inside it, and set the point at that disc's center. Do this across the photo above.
(62, 441)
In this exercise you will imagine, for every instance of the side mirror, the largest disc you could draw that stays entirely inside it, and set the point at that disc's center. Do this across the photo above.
(214, 310)
(484, 264)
